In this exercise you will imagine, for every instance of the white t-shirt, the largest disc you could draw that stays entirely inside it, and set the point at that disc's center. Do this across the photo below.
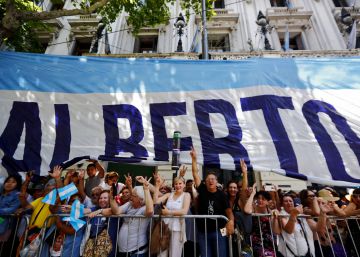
(133, 232)
(296, 241)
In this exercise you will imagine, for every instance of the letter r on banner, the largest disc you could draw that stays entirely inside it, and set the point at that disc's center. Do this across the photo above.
(212, 146)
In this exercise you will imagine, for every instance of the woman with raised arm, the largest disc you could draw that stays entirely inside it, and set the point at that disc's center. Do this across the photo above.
(132, 238)
(296, 237)
(176, 203)
(264, 227)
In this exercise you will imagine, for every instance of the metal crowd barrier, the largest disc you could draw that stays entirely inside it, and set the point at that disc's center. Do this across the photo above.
(341, 238)
(15, 229)
(113, 228)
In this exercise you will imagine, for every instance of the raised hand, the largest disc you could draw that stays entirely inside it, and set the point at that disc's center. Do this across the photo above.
(253, 189)
(243, 166)
(70, 173)
(56, 174)
(29, 174)
(128, 180)
(81, 173)
(193, 153)
(140, 179)
(146, 183)
(326, 207)
(182, 171)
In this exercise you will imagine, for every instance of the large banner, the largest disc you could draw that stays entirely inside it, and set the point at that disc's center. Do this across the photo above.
(298, 117)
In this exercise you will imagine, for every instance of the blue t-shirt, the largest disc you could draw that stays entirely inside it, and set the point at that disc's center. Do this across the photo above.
(98, 224)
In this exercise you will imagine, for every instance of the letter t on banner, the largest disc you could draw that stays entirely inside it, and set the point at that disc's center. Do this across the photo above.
(269, 104)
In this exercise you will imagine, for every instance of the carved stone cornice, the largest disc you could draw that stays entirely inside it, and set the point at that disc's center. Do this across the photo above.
(222, 21)
(84, 26)
(295, 18)
(243, 55)
(51, 31)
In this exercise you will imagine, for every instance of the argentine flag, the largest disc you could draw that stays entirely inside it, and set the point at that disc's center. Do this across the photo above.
(77, 211)
(67, 191)
(50, 198)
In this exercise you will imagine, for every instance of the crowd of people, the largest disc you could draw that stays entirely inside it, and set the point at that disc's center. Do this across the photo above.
(266, 222)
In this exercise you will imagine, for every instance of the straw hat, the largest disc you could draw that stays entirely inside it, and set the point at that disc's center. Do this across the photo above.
(327, 195)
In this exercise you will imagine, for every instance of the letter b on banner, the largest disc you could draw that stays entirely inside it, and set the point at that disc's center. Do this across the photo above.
(113, 144)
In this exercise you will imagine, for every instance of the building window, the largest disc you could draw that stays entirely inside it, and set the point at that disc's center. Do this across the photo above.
(219, 4)
(219, 43)
(295, 43)
(82, 46)
(278, 3)
(146, 44)
(341, 3)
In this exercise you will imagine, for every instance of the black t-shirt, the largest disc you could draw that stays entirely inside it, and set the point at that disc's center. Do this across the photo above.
(211, 204)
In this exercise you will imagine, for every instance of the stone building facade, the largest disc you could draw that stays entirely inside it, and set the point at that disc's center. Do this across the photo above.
(314, 27)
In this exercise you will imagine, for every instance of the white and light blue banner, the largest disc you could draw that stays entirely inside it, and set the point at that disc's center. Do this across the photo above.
(299, 117)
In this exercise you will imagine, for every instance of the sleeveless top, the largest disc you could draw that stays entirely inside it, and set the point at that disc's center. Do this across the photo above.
(176, 224)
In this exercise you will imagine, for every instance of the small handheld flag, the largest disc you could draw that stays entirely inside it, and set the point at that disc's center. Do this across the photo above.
(77, 211)
(67, 191)
(50, 198)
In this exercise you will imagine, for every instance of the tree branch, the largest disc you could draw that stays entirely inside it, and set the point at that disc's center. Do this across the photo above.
(40, 16)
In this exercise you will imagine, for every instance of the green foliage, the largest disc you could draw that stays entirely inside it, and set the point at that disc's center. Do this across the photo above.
(141, 13)
(24, 39)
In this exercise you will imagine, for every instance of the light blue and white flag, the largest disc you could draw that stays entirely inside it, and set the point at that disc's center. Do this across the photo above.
(50, 198)
(67, 191)
(77, 211)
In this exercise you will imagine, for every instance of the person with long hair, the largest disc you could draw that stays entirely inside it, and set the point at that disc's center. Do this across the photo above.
(176, 203)
(98, 230)
(9, 202)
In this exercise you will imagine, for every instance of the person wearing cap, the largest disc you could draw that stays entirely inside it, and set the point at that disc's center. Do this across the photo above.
(95, 174)
(353, 209)
(329, 198)
(327, 239)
